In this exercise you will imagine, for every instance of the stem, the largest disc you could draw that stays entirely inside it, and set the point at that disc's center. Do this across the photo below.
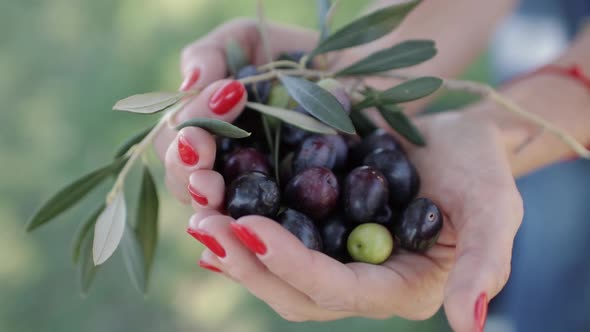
(492, 94)
(280, 63)
(290, 72)
(262, 29)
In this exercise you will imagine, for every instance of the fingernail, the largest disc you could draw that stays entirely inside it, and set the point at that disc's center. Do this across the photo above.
(481, 311)
(226, 97)
(198, 197)
(208, 240)
(209, 267)
(190, 80)
(248, 238)
(187, 153)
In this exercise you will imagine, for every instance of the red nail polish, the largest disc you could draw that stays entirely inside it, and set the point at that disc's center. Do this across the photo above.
(481, 311)
(248, 238)
(228, 95)
(208, 240)
(209, 267)
(190, 80)
(187, 153)
(198, 197)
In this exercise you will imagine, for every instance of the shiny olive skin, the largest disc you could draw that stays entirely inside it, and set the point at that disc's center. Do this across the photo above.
(302, 227)
(244, 160)
(419, 226)
(292, 135)
(253, 193)
(334, 231)
(385, 217)
(314, 151)
(314, 192)
(340, 149)
(365, 193)
(378, 139)
(259, 91)
(402, 176)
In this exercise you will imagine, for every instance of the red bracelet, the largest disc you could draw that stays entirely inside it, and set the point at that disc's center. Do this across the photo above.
(574, 72)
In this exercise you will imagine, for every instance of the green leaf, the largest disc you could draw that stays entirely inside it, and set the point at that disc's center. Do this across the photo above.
(109, 228)
(71, 194)
(364, 126)
(323, 9)
(410, 90)
(148, 103)
(267, 132)
(86, 268)
(130, 142)
(215, 127)
(405, 54)
(235, 56)
(83, 230)
(366, 29)
(134, 260)
(318, 102)
(399, 122)
(146, 225)
(292, 117)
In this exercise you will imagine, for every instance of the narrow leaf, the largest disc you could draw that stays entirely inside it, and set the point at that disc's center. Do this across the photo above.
(146, 225)
(405, 54)
(86, 269)
(267, 132)
(130, 142)
(399, 122)
(318, 102)
(149, 102)
(323, 9)
(134, 260)
(364, 126)
(71, 194)
(109, 229)
(366, 29)
(292, 117)
(83, 230)
(410, 90)
(215, 127)
(235, 56)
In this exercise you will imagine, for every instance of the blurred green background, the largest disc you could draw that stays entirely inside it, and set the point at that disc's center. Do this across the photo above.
(63, 64)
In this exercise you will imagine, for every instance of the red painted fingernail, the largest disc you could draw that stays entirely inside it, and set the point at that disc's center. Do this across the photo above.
(481, 311)
(226, 97)
(248, 238)
(190, 80)
(198, 197)
(187, 153)
(208, 240)
(208, 266)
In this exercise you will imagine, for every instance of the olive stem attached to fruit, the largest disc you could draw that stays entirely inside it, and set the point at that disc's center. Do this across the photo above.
(278, 64)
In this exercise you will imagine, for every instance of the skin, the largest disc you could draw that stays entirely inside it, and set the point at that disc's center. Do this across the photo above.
(472, 180)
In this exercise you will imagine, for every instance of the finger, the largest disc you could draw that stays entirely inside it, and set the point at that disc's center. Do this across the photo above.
(207, 189)
(192, 149)
(484, 251)
(243, 266)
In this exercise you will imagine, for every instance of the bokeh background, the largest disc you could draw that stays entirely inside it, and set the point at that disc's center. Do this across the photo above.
(63, 64)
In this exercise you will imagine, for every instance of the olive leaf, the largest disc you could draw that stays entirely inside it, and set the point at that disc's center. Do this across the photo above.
(146, 224)
(404, 92)
(366, 29)
(83, 230)
(297, 119)
(71, 194)
(234, 56)
(134, 260)
(86, 268)
(109, 229)
(130, 142)
(364, 126)
(323, 9)
(405, 54)
(215, 127)
(399, 122)
(318, 102)
(148, 103)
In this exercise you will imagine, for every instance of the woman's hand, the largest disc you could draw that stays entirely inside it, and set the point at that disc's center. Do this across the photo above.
(464, 169)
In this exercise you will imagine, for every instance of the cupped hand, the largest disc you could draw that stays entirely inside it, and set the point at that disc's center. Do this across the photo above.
(464, 169)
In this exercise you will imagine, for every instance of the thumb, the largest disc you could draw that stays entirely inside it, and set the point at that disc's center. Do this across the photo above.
(482, 267)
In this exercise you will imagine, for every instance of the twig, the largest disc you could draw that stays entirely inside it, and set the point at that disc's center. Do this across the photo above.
(262, 29)
(280, 63)
(331, 12)
(292, 72)
(487, 91)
